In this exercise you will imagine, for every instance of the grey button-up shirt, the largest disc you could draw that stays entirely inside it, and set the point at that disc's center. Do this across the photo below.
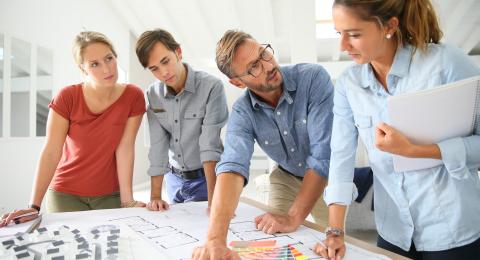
(185, 128)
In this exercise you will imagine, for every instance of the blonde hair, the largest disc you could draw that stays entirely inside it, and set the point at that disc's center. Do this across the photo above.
(84, 39)
(418, 24)
(226, 48)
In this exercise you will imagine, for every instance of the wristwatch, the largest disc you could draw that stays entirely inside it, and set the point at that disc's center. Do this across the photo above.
(33, 206)
(331, 231)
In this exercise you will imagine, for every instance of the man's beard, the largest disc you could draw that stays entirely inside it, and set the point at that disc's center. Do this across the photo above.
(269, 87)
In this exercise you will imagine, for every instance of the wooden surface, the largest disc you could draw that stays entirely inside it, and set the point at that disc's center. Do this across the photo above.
(320, 228)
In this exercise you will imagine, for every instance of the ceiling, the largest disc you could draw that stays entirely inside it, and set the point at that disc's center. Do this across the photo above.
(288, 25)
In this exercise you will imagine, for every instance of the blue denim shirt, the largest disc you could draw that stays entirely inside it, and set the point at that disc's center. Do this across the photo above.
(296, 134)
(438, 208)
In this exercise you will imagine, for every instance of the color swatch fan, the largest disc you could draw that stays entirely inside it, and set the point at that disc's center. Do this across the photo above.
(266, 250)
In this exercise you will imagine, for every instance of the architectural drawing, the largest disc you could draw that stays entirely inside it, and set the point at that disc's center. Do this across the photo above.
(172, 234)
(166, 237)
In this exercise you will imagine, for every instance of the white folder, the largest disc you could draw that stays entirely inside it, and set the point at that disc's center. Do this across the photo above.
(434, 115)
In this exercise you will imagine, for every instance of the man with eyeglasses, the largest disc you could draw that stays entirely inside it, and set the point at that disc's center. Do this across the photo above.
(288, 112)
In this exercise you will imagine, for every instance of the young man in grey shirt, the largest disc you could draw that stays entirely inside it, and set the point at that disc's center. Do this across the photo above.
(186, 110)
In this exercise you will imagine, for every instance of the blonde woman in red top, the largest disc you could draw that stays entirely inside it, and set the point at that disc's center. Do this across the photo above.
(87, 161)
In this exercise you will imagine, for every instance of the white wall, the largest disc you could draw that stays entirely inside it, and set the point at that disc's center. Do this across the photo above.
(46, 23)
(142, 78)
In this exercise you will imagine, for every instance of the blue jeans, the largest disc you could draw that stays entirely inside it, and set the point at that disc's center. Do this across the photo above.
(181, 190)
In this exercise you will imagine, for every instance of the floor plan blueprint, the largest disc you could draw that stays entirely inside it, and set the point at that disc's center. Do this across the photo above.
(173, 234)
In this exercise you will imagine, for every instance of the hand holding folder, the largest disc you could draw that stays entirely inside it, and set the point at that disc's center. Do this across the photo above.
(434, 115)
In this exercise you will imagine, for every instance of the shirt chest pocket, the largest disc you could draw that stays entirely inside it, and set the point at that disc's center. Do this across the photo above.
(162, 118)
(194, 114)
(302, 133)
(301, 126)
(364, 125)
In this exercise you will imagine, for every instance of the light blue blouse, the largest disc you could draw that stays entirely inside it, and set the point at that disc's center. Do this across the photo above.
(437, 208)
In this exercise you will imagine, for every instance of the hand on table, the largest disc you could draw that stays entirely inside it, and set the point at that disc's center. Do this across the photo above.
(271, 223)
(158, 205)
(333, 247)
(18, 216)
(213, 250)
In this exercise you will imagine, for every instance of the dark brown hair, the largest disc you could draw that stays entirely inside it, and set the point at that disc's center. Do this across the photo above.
(148, 39)
(418, 24)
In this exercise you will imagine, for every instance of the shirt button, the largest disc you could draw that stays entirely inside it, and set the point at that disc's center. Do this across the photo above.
(304, 121)
(266, 142)
(176, 140)
(285, 132)
(300, 165)
(293, 149)
(194, 115)
(278, 113)
(179, 155)
(176, 121)
(176, 99)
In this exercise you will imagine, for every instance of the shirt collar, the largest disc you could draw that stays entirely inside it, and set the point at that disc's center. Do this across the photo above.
(189, 83)
(400, 66)
(402, 61)
(288, 86)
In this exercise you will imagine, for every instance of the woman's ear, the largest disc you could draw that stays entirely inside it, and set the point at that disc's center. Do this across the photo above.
(82, 70)
(392, 26)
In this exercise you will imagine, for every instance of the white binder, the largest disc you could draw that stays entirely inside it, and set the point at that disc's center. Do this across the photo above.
(434, 115)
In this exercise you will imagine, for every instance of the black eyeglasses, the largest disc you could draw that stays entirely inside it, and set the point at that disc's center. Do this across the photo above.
(256, 68)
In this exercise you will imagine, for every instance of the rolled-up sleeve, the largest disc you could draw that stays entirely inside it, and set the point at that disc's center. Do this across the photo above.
(216, 116)
(460, 154)
(159, 140)
(239, 143)
(319, 123)
(341, 189)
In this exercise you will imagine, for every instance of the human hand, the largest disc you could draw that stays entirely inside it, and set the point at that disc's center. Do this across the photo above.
(272, 223)
(333, 247)
(133, 204)
(157, 205)
(214, 250)
(390, 140)
(18, 216)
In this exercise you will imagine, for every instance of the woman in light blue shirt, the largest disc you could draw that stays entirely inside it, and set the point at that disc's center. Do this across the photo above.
(424, 214)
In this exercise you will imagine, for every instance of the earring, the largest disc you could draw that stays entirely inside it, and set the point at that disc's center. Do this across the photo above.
(388, 36)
